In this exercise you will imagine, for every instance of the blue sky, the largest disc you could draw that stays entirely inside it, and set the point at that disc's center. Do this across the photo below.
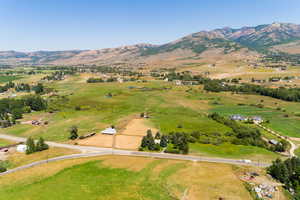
(29, 25)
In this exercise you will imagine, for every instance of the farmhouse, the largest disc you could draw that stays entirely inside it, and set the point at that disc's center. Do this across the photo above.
(257, 119)
(274, 142)
(109, 131)
(238, 118)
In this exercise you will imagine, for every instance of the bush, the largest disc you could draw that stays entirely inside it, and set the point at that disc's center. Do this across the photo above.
(2, 169)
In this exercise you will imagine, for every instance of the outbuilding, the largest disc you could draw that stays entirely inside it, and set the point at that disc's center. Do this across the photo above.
(109, 131)
(21, 148)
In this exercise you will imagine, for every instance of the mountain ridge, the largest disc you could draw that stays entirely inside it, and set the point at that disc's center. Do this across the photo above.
(256, 38)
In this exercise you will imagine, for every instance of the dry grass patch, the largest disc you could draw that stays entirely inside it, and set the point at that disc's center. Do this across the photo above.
(127, 142)
(18, 159)
(99, 139)
(211, 181)
(137, 127)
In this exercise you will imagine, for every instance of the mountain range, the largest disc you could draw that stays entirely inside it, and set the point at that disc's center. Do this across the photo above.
(234, 44)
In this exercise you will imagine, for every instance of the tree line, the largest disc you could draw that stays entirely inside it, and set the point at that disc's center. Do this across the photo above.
(174, 142)
(287, 94)
(13, 109)
(288, 173)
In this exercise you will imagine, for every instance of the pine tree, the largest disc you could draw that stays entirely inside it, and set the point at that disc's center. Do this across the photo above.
(164, 141)
(30, 146)
(157, 136)
(41, 145)
(144, 142)
(73, 133)
(151, 143)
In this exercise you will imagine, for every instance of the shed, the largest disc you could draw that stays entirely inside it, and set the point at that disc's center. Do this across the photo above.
(274, 142)
(109, 131)
(21, 148)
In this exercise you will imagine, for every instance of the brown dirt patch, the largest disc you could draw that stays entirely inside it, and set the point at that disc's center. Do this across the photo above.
(99, 140)
(137, 127)
(127, 142)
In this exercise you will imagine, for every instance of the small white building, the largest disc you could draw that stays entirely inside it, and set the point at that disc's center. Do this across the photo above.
(109, 131)
(21, 148)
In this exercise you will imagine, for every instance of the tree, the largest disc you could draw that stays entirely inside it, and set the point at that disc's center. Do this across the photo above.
(39, 88)
(41, 145)
(157, 136)
(17, 113)
(30, 146)
(73, 133)
(164, 141)
(144, 142)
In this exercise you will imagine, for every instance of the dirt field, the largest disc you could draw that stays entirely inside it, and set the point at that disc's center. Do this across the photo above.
(99, 139)
(128, 142)
(131, 136)
(128, 138)
(137, 127)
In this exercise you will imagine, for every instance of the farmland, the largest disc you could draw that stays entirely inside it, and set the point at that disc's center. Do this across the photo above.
(105, 177)
(88, 106)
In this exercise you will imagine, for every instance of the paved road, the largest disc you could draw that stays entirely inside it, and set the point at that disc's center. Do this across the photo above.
(89, 151)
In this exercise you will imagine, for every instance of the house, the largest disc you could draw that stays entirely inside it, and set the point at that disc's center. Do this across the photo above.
(177, 82)
(109, 131)
(157, 141)
(274, 142)
(238, 118)
(257, 119)
(21, 148)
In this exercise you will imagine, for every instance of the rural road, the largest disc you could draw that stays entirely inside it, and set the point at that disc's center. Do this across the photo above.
(288, 139)
(89, 151)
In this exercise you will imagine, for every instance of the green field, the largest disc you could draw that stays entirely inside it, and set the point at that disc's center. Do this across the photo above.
(233, 151)
(171, 109)
(4, 143)
(99, 111)
(4, 79)
(123, 178)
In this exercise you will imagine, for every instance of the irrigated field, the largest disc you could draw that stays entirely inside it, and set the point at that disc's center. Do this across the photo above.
(93, 107)
(119, 177)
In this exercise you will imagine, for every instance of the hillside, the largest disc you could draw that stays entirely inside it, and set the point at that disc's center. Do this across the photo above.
(225, 44)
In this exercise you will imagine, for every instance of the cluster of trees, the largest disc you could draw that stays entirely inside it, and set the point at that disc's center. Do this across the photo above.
(178, 143)
(95, 80)
(7, 86)
(58, 75)
(23, 87)
(288, 173)
(244, 135)
(38, 89)
(184, 76)
(287, 94)
(13, 109)
(148, 141)
(32, 146)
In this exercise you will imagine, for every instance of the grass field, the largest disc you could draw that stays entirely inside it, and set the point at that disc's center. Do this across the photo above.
(234, 151)
(99, 111)
(118, 177)
(171, 109)
(17, 159)
(284, 121)
(5, 142)
(4, 79)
